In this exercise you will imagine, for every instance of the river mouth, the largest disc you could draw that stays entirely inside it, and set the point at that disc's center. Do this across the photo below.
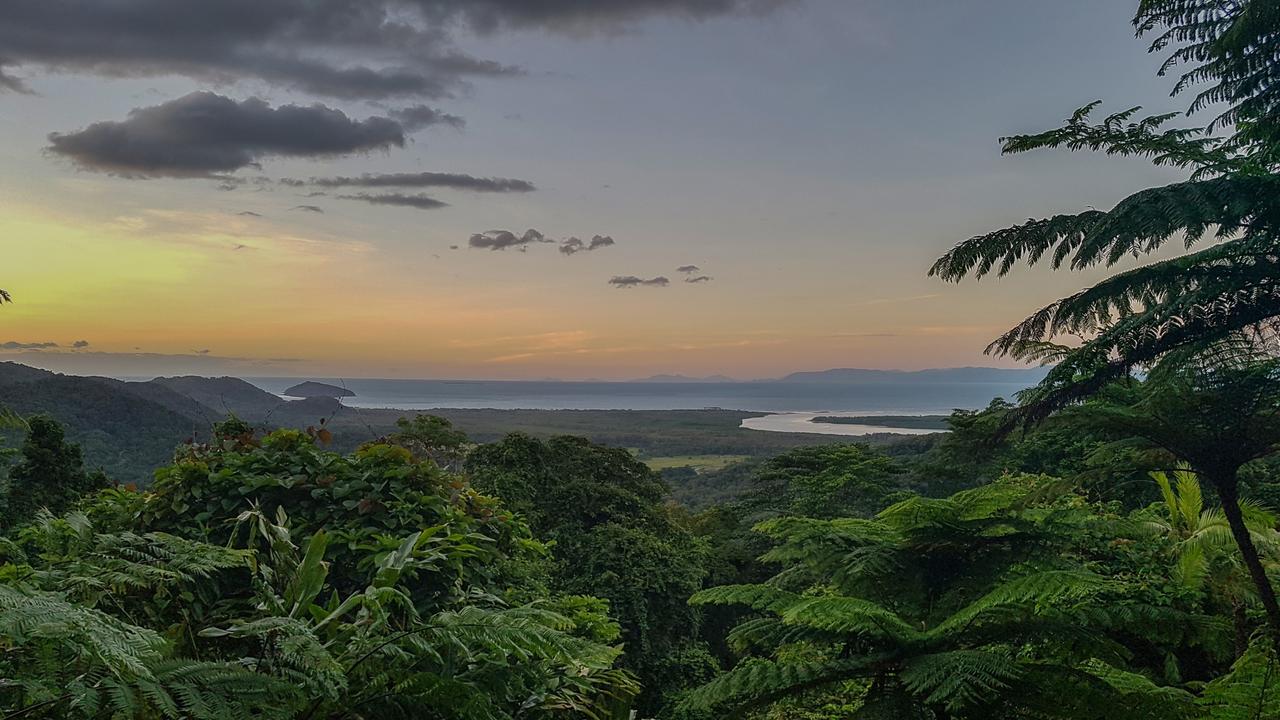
(802, 422)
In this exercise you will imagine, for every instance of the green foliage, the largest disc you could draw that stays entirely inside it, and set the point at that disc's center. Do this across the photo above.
(986, 604)
(431, 437)
(1251, 691)
(50, 473)
(612, 536)
(824, 481)
(409, 597)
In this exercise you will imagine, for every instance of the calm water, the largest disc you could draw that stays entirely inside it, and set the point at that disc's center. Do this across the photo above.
(905, 397)
(803, 422)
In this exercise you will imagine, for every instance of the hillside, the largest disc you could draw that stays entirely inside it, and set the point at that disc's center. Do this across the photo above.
(223, 395)
(121, 431)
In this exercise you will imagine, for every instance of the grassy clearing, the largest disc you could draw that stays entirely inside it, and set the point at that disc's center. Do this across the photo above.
(700, 463)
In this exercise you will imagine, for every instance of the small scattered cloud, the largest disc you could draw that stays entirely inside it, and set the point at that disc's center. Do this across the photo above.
(690, 276)
(308, 208)
(203, 134)
(15, 345)
(205, 351)
(80, 344)
(249, 213)
(453, 181)
(421, 202)
(418, 117)
(630, 281)
(576, 245)
(504, 239)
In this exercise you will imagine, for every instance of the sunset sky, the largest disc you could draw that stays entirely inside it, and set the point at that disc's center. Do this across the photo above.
(311, 187)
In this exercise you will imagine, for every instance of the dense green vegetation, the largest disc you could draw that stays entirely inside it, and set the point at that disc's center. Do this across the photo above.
(266, 576)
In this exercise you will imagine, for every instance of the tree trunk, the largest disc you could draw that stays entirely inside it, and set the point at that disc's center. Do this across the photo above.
(1228, 489)
(1240, 621)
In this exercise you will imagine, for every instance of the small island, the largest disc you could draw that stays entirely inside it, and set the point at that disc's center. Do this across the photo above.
(312, 389)
(907, 422)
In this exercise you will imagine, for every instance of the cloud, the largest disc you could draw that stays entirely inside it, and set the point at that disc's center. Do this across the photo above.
(417, 117)
(490, 15)
(308, 208)
(698, 279)
(80, 344)
(687, 269)
(337, 48)
(203, 134)
(630, 281)
(456, 181)
(14, 345)
(575, 245)
(503, 239)
(249, 213)
(421, 202)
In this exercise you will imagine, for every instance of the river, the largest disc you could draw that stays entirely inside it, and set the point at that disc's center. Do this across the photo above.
(802, 422)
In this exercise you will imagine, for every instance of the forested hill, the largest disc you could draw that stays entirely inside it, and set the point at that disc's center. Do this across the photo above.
(128, 428)
(123, 429)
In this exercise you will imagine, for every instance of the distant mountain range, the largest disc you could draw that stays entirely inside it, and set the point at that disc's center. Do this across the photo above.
(1020, 376)
(685, 379)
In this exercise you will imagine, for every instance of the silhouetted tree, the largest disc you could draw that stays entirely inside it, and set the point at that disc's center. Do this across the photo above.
(49, 475)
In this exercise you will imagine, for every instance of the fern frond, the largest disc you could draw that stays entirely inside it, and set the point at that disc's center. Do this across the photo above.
(958, 679)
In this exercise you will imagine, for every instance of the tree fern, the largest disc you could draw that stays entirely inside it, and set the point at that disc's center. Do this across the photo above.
(960, 678)
(990, 597)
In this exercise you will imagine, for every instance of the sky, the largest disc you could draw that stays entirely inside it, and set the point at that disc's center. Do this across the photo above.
(527, 189)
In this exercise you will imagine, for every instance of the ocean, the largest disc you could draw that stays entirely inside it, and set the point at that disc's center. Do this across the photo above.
(906, 397)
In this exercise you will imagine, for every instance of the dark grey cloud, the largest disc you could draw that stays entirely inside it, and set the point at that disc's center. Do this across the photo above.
(698, 279)
(249, 213)
(421, 202)
(335, 48)
(456, 181)
(308, 208)
(490, 15)
(630, 281)
(686, 269)
(417, 117)
(575, 245)
(80, 344)
(504, 239)
(203, 134)
(14, 345)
